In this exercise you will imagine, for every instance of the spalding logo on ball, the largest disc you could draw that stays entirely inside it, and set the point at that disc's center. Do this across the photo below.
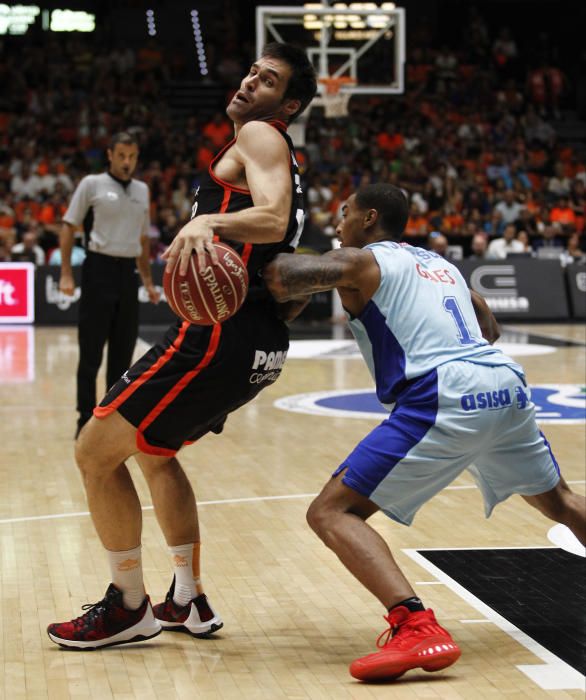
(212, 296)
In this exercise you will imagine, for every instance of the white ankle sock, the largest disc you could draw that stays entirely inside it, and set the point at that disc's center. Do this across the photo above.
(185, 585)
(126, 568)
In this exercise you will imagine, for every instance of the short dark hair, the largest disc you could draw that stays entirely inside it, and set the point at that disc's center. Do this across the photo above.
(124, 137)
(391, 204)
(302, 84)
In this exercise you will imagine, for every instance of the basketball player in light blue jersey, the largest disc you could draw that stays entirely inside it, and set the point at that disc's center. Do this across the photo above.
(459, 403)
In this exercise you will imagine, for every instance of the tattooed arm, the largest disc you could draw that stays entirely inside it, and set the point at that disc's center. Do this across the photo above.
(354, 272)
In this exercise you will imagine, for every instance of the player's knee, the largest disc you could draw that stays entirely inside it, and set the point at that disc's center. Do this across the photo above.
(316, 517)
(82, 457)
(88, 452)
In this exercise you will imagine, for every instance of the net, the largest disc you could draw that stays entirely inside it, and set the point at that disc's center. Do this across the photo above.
(334, 99)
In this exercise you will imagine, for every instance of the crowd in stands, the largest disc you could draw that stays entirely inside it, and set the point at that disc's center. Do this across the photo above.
(471, 142)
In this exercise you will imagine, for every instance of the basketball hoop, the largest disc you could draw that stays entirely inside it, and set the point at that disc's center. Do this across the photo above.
(334, 99)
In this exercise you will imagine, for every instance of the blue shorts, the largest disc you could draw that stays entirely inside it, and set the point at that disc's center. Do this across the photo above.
(460, 416)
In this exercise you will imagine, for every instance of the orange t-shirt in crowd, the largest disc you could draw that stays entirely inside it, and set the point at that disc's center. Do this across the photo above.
(203, 158)
(452, 222)
(218, 134)
(6, 221)
(416, 226)
(21, 207)
(563, 216)
(46, 213)
(389, 142)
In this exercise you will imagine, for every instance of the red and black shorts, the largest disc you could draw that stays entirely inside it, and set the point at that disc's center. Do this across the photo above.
(186, 385)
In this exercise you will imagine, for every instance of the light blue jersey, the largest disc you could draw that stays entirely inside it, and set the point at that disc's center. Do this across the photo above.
(420, 317)
(459, 403)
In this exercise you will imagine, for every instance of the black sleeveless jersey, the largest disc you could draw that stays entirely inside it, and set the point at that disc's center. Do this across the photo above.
(214, 196)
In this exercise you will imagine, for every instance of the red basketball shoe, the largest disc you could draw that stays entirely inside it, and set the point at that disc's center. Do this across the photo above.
(197, 617)
(413, 640)
(106, 623)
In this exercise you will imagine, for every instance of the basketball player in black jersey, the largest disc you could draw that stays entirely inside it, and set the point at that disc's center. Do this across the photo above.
(186, 386)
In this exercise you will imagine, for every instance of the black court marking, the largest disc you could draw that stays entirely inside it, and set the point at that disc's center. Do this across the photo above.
(540, 591)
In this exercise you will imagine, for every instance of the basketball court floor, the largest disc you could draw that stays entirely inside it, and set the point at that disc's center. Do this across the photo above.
(294, 618)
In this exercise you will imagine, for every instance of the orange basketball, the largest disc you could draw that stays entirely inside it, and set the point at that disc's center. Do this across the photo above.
(212, 296)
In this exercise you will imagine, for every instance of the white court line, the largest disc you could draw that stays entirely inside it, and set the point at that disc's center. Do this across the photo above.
(253, 499)
(553, 674)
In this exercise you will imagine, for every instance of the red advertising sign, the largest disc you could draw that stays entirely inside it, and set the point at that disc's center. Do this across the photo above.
(17, 292)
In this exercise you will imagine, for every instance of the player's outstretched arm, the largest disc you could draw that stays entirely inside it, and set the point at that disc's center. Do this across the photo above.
(488, 323)
(290, 276)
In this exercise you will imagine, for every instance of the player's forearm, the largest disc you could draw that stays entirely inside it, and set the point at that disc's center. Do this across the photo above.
(486, 320)
(258, 224)
(291, 276)
(66, 246)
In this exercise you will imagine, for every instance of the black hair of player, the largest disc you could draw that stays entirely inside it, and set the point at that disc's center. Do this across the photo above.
(124, 137)
(391, 204)
(302, 84)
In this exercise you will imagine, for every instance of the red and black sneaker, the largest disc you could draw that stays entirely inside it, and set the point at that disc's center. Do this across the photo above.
(197, 617)
(413, 640)
(106, 623)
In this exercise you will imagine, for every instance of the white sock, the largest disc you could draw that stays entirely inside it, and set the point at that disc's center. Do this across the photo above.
(185, 588)
(126, 568)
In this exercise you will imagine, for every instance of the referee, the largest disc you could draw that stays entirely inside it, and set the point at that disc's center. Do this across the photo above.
(114, 211)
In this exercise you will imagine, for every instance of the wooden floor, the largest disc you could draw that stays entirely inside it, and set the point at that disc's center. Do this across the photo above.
(293, 617)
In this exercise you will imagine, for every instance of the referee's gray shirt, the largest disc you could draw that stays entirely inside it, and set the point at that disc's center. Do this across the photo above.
(121, 214)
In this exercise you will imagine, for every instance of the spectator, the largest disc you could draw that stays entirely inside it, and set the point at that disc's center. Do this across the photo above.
(181, 199)
(25, 185)
(7, 221)
(504, 51)
(559, 185)
(563, 215)
(509, 209)
(28, 250)
(574, 250)
(446, 69)
(416, 223)
(218, 131)
(549, 244)
(204, 155)
(527, 223)
(77, 256)
(438, 243)
(523, 238)
(479, 247)
(499, 248)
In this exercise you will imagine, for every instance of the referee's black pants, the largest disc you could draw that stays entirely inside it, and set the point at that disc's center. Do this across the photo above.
(108, 311)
